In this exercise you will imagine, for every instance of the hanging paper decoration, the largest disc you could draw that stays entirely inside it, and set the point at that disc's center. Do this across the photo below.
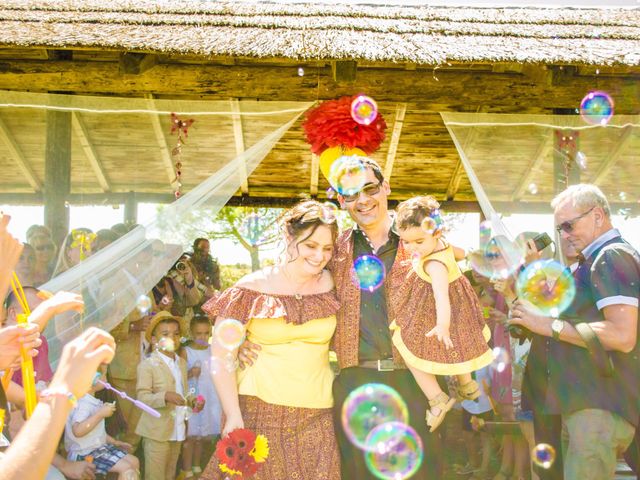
(332, 132)
(182, 127)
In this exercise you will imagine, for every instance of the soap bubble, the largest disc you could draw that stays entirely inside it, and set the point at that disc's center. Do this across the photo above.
(368, 406)
(394, 451)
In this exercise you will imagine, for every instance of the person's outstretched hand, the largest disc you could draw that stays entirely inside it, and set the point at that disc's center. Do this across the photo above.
(80, 360)
(55, 305)
(14, 337)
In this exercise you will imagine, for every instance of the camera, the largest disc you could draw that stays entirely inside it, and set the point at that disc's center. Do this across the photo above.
(181, 267)
(542, 241)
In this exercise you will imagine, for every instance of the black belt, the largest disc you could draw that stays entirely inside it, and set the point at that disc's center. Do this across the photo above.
(384, 365)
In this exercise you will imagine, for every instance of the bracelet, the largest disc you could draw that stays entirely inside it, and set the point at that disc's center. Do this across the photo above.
(59, 392)
(191, 285)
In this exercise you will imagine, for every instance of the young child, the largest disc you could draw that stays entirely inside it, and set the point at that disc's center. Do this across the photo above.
(85, 438)
(201, 426)
(448, 335)
(162, 384)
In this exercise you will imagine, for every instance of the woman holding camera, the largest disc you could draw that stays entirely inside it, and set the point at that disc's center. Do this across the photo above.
(178, 292)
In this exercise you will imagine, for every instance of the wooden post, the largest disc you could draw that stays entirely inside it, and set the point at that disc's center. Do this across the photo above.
(566, 145)
(130, 209)
(57, 174)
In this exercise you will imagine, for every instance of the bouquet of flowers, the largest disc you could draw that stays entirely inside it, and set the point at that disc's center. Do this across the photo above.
(198, 404)
(241, 452)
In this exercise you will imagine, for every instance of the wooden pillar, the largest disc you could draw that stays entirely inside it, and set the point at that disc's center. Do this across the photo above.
(57, 174)
(130, 209)
(566, 170)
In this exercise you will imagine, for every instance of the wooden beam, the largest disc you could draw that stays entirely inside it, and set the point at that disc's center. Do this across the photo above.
(315, 174)
(82, 133)
(16, 153)
(538, 158)
(57, 174)
(401, 109)
(455, 90)
(161, 141)
(132, 63)
(344, 71)
(238, 135)
(130, 208)
(458, 170)
(614, 155)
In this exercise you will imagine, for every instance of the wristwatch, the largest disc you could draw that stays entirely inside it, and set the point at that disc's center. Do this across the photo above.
(556, 327)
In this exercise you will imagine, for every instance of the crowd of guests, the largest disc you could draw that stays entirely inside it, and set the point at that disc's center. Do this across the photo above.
(570, 382)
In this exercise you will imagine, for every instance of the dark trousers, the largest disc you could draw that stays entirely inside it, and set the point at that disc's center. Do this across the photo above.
(548, 429)
(352, 458)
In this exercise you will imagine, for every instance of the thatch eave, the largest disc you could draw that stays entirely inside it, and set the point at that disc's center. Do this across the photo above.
(420, 35)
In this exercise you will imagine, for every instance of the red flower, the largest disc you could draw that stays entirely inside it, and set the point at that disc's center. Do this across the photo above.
(330, 125)
(233, 452)
(243, 438)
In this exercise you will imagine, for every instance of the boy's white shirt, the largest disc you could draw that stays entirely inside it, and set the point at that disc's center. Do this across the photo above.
(179, 427)
(87, 406)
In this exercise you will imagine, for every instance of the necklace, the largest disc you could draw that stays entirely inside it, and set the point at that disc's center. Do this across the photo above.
(299, 286)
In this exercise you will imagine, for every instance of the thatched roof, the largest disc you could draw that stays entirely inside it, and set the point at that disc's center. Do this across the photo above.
(422, 35)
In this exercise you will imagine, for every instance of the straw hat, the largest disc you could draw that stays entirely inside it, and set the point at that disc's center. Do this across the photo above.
(159, 317)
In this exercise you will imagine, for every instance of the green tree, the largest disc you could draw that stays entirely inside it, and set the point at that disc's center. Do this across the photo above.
(250, 227)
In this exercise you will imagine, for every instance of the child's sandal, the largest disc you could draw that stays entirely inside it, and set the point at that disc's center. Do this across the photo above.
(442, 402)
(468, 391)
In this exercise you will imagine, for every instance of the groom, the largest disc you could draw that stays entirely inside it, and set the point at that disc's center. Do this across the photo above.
(362, 340)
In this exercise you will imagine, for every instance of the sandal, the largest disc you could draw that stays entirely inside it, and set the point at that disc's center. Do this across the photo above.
(468, 391)
(442, 402)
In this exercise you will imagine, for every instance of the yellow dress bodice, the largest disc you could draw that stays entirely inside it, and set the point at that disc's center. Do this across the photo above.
(293, 365)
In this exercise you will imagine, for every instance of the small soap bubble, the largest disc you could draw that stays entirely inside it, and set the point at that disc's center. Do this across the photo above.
(143, 304)
(370, 272)
(501, 359)
(229, 333)
(581, 160)
(301, 72)
(329, 212)
(364, 110)
(166, 344)
(596, 108)
(543, 455)
(533, 188)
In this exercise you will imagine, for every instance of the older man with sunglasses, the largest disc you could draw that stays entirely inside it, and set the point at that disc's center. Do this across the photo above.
(593, 370)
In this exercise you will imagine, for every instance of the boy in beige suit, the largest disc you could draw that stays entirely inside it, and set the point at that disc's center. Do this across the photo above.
(162, 384)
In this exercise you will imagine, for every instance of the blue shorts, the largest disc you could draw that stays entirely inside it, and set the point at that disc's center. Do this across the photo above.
(105, 457)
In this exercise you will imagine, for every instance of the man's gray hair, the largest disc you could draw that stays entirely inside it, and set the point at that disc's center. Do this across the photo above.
(583, 196)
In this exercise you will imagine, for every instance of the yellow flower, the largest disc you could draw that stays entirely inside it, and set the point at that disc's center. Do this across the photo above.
(225, 469)
(260, 450)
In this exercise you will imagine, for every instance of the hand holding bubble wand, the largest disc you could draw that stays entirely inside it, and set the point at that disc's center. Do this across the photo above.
(141, 405)
(26, 362)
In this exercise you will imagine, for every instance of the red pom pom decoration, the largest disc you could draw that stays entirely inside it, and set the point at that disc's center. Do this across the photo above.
(331, 125)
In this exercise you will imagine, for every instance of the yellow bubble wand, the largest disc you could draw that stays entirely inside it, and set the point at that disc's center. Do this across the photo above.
(26, 363)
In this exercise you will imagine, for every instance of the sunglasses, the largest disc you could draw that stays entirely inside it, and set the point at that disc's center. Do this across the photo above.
(41, 248)
(569, 224)
(369, 190)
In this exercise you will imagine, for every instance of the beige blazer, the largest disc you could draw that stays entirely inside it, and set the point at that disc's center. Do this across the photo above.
(154, 379)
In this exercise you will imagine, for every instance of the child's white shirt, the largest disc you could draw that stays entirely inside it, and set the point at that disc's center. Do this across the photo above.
(179, 429)
(87, 406)
(482, 403)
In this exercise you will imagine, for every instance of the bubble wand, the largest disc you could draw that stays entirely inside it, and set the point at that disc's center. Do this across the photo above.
(137, 403)
(82, 241)
(26, 361)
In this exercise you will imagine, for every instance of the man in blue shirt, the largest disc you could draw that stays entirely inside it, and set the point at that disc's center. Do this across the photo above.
(599, 411)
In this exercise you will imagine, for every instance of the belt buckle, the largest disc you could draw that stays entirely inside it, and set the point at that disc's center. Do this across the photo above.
(385, 365)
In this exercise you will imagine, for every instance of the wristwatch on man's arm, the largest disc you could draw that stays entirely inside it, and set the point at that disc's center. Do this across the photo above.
(556, 327)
